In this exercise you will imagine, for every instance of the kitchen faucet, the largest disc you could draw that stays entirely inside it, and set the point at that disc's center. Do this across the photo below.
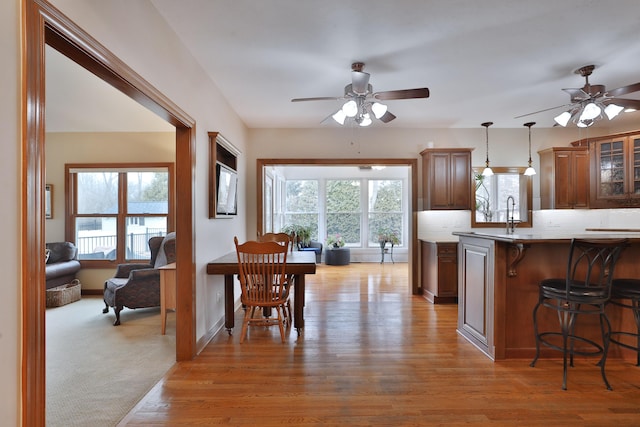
(510, 221)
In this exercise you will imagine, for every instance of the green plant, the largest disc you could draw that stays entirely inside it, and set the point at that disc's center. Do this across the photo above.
(386, 235)
(301, 233)
(335, 241)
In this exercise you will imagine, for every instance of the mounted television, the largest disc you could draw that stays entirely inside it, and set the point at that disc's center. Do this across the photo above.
(226, 193)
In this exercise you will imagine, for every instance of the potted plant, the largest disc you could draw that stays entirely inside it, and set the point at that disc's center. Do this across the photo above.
(300, 234)
(386, 235)
(335, 241)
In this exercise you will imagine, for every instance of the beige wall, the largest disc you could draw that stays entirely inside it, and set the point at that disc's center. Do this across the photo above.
(10, 212)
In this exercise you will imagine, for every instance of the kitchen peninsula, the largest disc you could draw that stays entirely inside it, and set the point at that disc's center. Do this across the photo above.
(498, 277)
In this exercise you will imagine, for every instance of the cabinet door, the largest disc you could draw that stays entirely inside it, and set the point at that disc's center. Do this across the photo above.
(447, 179)
(616, 173)
(571, 179)
(563, 180)
(447, 269)
(439, 177)
(580, 179)
(460, 180)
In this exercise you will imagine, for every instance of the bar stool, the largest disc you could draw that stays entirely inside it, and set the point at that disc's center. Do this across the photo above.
(626, 293)
(585, 290)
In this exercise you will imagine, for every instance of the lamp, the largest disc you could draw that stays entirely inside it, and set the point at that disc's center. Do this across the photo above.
(487, 170)
(530, 170)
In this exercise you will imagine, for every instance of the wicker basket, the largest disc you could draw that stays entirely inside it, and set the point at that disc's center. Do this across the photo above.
(64, 294)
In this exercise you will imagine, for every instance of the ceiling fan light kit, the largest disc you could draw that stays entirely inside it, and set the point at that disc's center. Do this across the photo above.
(361, 103)
(589, 102)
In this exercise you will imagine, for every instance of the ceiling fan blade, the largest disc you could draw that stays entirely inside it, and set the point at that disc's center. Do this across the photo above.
(359, 82)
(387, 117)
(626, 103)
(402, 94)
(542, 111)
(320, 98)
(625, 90)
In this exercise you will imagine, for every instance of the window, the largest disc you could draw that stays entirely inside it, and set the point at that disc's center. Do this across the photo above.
(385, 210)
(359, 210)
(117, 209)
(344, 211)
(301, 204)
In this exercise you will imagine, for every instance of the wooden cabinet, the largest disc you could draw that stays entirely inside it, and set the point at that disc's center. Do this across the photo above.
(446, 178)
(440, 271)
(564, 178)
(615, 177)
(477, 306)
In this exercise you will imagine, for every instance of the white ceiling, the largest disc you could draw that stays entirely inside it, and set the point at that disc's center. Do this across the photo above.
(488, 60)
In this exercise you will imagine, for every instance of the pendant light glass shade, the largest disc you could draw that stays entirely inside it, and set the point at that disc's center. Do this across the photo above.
(530, 170)
(487, 170)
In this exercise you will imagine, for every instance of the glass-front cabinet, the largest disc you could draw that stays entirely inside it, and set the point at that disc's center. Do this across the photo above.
(615, 181)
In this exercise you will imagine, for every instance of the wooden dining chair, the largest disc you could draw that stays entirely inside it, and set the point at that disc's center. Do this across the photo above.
(283, 239)
(263, 281)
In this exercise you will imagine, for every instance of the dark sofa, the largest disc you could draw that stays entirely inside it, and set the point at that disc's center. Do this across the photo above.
(61, 264)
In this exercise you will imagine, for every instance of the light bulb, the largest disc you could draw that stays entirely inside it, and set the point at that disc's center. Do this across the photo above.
(487, 171)
(530, 171)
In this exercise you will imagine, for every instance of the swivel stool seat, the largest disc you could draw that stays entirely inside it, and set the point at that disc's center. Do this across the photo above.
(626, 293)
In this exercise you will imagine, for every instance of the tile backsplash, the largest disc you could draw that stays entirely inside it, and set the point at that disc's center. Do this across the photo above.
(438, 225)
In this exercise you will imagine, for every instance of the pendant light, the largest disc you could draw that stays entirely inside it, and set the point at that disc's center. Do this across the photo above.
(487, 170)
(530, 170)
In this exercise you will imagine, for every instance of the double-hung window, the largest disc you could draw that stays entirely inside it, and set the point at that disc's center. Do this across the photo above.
(113, 210)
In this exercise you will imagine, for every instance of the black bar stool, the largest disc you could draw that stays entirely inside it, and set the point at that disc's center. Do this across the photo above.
(626, 293)
(585, 290)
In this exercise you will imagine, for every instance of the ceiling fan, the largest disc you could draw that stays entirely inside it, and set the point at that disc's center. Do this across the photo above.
(362, 103)
(589, 102)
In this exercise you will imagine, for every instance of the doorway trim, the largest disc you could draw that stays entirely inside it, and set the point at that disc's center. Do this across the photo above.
(43, 24)
(414, 271)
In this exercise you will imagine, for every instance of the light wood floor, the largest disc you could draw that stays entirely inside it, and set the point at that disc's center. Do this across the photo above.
(372, 354)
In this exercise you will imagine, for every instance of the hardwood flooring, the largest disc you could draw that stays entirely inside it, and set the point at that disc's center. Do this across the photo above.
(371, 354)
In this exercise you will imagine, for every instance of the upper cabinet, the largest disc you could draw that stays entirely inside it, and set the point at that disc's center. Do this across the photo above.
(615, 177)
(446, 178)
(564, 178)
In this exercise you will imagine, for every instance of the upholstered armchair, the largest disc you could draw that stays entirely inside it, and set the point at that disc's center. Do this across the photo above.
(137, 285)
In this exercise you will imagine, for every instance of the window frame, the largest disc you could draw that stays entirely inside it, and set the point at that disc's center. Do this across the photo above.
(71, 204)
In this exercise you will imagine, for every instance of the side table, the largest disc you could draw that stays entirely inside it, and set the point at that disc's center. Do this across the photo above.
(337, 256)
(167, 292)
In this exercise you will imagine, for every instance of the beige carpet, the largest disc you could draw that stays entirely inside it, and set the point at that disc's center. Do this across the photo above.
(96, 373)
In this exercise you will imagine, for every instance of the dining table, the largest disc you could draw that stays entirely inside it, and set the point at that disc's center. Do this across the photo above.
(298, 265)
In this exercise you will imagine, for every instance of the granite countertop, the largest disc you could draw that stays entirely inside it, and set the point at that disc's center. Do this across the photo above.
(548, 236)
